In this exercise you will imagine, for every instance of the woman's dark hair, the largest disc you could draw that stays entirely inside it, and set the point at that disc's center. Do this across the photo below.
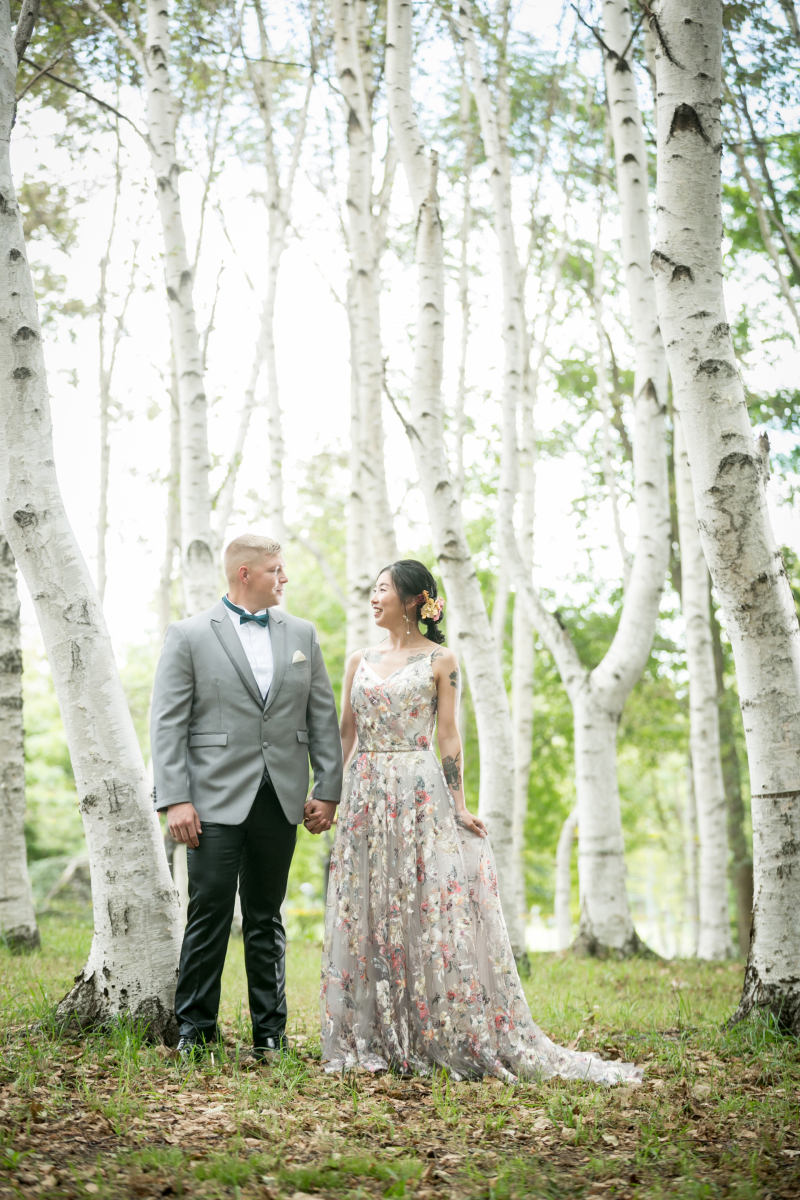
(411, 578)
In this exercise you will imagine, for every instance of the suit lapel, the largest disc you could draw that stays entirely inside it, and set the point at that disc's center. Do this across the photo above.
(223, 628)
(277, 633)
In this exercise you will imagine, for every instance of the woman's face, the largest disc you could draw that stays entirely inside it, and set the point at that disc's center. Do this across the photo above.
(387, 607)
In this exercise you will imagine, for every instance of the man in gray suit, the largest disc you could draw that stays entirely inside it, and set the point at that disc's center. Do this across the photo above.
(241, 701)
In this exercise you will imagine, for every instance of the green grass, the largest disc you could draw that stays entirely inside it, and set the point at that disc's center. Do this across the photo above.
(109, 1115)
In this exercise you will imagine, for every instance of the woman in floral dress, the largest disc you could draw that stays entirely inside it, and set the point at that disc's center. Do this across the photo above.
(417, 968)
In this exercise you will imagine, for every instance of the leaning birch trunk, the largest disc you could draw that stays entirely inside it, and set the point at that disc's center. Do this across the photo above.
(709, 788)
(17, 917)
(563, 889)
(366, 242)
(426, 434)
(134, 956)
(728, 474)
(198, 560)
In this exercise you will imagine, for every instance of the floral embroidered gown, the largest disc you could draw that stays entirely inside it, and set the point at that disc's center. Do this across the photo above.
(417, 968)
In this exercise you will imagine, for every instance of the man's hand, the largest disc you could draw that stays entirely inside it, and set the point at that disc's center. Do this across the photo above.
(184, 824)
(319, 815)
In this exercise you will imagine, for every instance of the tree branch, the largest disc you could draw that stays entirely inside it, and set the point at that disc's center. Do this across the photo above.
(25, 26)
(125, 39)
(96, 99)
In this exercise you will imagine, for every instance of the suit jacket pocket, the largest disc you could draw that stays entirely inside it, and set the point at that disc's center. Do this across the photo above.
(208, 739)
(302, 735)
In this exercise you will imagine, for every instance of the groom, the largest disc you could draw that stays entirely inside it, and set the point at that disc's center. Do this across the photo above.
(241, 701)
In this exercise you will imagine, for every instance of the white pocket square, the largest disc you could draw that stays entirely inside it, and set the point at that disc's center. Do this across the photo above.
(298, 656)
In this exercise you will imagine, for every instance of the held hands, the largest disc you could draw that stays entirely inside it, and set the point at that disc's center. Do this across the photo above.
(319, 815)
(184, 824)
(474, 824)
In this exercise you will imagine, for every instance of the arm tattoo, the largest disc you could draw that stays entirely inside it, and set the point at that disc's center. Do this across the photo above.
(452, 771)
(373, 656)
(454, 679)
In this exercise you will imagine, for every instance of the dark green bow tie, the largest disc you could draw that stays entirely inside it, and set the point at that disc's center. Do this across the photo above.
(244, 617)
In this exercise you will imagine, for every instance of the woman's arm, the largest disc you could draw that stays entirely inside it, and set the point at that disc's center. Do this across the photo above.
(448, 685)
(347, 725)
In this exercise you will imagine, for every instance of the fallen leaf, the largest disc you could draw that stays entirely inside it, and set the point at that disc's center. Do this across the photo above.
(610, 1139)
(569, 1133)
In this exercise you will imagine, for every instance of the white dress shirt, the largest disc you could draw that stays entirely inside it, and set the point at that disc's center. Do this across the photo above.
(257, 645)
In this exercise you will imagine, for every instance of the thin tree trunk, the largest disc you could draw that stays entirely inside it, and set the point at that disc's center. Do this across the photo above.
(173, 522)
(199, 561)
(18, 926)
(709, 789)
(692, 860)
(757, 200)
(279, 205)
(360, 630)
(563, 891)
(134, 956)
(465, 105)
(604, 401)
(353, 36)
(728, 474)
(426, 434)
(741, 865)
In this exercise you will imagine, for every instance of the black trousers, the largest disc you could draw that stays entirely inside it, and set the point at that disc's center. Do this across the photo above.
(257, 854)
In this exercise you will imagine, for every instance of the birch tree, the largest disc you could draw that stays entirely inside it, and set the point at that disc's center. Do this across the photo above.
(598, 696)
(198, 559)
(425, 428)
(365, 225)
(134, 956)
(18, 926)
(714, 940)
(728, 476)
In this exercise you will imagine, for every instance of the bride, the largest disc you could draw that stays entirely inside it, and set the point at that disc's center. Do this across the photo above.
(417, 968)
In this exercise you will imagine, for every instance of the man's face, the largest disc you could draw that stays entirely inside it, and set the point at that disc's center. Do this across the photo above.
(265, 580)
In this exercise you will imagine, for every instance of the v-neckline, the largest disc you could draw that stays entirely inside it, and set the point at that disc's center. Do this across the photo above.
(391, 676)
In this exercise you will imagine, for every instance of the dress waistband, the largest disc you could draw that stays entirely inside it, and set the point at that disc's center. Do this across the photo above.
(394, 750)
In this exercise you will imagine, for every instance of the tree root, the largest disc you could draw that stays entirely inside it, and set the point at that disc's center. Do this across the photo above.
(586, 945)
(86, 1007)
(781, 1001)
(22, 939)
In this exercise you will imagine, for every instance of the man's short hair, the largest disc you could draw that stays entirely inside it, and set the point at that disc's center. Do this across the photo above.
(244, 549)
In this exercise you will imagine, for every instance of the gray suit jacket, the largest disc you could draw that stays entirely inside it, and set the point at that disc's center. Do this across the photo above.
(212, 735)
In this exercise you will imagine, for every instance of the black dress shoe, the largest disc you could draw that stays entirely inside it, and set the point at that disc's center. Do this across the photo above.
(270, 1046)
(191, 1049)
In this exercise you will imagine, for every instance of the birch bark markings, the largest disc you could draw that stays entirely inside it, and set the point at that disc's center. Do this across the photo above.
(714, 941)
(18, 926)
(729, 485)
(426, 434)
(134, 956)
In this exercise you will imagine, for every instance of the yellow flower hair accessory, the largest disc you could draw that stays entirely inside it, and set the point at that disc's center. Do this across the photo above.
(432, 609)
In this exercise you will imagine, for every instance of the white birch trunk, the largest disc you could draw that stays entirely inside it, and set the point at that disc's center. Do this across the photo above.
(173, 521)
(426, 434)
(359, 578)
(18, 926)
(692, 860)
(134, 956)
(728, 474)
(563, 889)
(715, 940)
(352, 27)
(200, 568)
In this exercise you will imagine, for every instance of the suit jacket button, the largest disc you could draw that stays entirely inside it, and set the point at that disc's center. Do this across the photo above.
(265, 744)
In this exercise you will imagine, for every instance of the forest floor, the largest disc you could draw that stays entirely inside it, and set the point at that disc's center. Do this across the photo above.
(108, 1116)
